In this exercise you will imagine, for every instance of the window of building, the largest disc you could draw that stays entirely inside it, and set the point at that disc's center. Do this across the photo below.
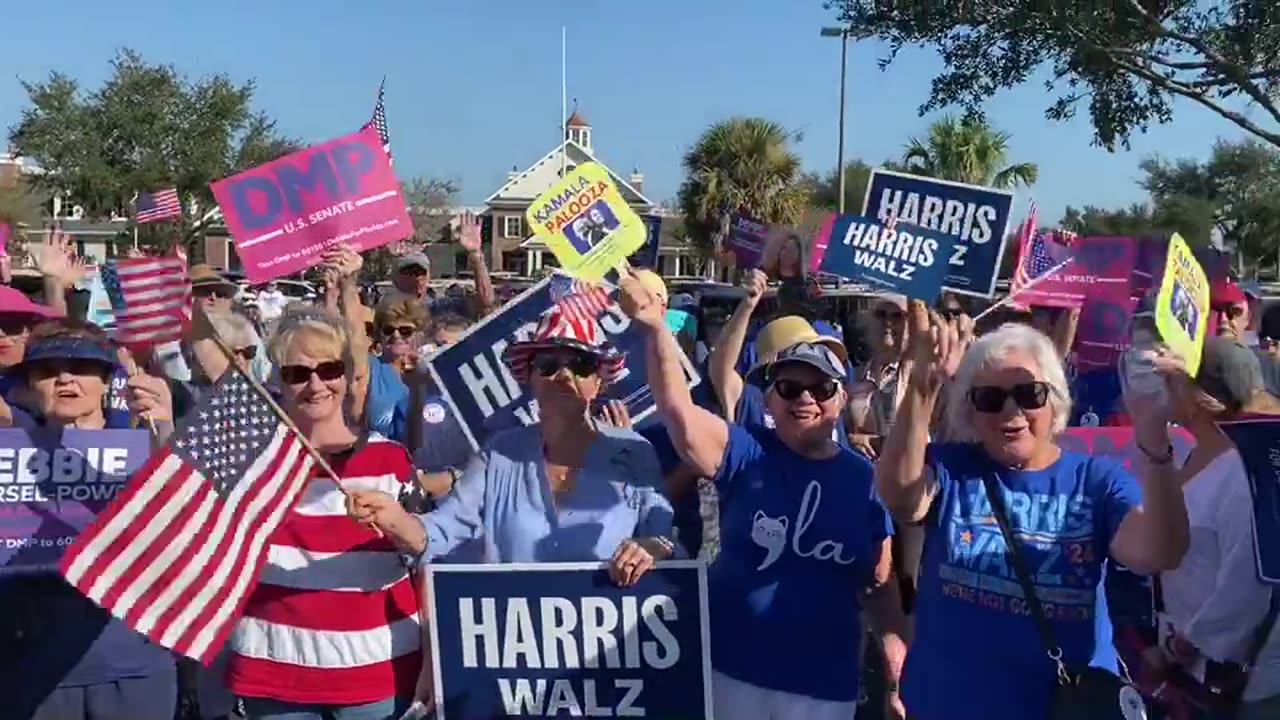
(512, 226)
(514, 262)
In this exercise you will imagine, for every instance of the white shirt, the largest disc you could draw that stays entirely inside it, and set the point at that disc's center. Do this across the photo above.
(271, 304)
(1214, 598)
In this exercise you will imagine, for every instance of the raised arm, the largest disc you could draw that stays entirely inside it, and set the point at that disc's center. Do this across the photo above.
(60, 269)
(699, 437)
(469, 238)
(904, 483)
(722, 364)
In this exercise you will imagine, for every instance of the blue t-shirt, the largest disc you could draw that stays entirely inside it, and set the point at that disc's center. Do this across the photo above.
(386, 402)
(976, 653)
(687, 508)
(1098, 392)
(799, 540)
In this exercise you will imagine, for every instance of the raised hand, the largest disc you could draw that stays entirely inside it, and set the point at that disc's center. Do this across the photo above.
(639, 303)
(57, 260)
(935, 347)
(754, 281)
(469, 232)
(344, 261)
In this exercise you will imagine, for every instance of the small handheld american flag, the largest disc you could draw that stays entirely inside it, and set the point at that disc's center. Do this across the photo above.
(580, 297)
(1042, 255)
(176, 555)
(379, 120)
(157, 205)
(151, 298)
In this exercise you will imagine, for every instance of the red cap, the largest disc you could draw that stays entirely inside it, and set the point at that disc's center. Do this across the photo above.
(1225, 292)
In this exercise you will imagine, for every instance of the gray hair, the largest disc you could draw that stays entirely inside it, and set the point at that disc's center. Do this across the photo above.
(235, 329)
(1011, 337)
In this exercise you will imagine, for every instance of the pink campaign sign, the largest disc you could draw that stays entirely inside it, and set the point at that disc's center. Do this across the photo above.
(283, 214)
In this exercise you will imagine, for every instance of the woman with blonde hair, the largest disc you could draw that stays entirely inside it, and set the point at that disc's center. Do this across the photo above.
(332, 628)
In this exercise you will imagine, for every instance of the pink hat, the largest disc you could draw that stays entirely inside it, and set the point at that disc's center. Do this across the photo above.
(15, 302)
(1224, 292)
(564, 326)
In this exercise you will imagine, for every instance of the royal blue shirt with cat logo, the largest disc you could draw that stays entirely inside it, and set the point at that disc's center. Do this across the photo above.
(799, 542)
(976, 654)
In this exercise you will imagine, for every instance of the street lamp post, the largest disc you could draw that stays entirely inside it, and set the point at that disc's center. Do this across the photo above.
(843, 34)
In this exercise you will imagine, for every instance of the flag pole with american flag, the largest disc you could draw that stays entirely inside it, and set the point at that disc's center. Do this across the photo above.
(1037, 261)
(379, 119)
(177, 554)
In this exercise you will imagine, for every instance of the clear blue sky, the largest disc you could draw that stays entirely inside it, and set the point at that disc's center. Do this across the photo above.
(474, 87)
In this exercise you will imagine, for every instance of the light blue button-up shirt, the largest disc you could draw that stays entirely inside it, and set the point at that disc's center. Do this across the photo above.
(501, 509)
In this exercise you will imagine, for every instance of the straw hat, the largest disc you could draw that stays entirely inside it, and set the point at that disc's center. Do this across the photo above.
(785, 332)
(204, 276)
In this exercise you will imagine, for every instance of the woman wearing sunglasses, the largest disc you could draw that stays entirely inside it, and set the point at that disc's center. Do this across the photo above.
(332, 628)
(804, 545)
(569, 488)
(61, 656)
(977, 653)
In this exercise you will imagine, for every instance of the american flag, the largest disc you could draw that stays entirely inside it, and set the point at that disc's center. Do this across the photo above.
(1041, 255)
(176, 555)
(158, 205)
(579, 297)
(151, 298)
(379, 120)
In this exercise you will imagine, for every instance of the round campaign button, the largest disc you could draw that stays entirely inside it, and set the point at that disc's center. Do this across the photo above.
(1089, 419)
(433, 413)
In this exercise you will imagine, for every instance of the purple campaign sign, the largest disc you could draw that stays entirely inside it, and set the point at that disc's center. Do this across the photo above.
(746, 241)
(52, 487)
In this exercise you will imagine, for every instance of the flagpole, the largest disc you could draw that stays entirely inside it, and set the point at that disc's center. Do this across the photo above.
(564, 102)
(1005, 300)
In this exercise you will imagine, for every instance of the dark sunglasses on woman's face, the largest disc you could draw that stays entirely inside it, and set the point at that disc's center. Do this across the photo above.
(405, 331)
(14, 325)
(53, 367)
(300, 374)
(248, 353)
(792, 389)
(888, 315)
(991, 398)
(581, 364)
(217, 292)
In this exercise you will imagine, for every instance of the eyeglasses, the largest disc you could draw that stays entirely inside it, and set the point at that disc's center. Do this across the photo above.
(991, 398)
(248, 353)
(327, 371)
(1231, 311)
(580, 364)
(53, 367)
(405, 331)
(792, 389)
(14, 325)
(882, 315)
(950, 313)
(216, 291)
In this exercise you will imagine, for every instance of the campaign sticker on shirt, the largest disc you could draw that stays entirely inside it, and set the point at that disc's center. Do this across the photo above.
(433, 413)
(1089, 419)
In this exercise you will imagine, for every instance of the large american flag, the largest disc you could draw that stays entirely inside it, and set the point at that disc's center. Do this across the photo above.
(578, 296)
(158, 205)
(379, 120)
(176, 555)
(151, 298)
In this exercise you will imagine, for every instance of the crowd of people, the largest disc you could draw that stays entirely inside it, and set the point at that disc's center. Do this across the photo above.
(903, 512)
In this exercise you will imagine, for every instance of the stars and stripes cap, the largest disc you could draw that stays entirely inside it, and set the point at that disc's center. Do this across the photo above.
(563, 326)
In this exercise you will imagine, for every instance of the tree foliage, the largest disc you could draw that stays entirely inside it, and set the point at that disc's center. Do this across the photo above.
(740, 165)
(1126, 61)
(967, 150)
(147, 127)
(430, 205)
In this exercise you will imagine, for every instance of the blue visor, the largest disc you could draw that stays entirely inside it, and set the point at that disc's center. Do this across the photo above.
(70, 348)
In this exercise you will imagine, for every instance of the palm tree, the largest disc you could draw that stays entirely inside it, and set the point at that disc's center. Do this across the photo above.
(967, 150)
(741, 165)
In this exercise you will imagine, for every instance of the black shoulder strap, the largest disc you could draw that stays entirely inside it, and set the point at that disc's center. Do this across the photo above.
(996, 498)
(1263, 632)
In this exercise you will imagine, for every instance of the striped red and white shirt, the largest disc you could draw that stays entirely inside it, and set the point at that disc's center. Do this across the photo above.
(334, 618)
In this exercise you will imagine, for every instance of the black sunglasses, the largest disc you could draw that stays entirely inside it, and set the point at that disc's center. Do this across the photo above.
(883, 314)
(821, 391)
(212, 291)
(991, 398)
(327, 371)
(950, 313)
(248, 353)
(580, 364)
(53, 367)
(405, 331)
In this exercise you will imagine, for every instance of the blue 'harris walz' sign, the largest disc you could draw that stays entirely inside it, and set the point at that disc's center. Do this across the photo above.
(485, 397)
(905, 259)
(976, 217)
(562, 640)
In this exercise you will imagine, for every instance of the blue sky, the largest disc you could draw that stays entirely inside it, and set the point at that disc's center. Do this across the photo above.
(474, 87)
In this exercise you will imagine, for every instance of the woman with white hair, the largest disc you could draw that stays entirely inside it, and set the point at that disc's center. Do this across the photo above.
(980, 649)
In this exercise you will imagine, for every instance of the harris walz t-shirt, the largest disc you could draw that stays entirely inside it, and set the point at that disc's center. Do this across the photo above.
(800, 539)
(976, 654)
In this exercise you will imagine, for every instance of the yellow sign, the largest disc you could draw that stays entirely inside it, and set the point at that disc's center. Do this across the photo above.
(586, 223)
(1182, 305)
